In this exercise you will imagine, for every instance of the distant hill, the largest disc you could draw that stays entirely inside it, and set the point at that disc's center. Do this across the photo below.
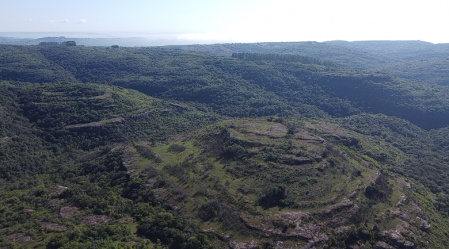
(415, 60)
(94, 39)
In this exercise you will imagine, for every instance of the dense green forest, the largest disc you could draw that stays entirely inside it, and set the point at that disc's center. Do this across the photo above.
(414, 60)
(238, 86)
(271, 145)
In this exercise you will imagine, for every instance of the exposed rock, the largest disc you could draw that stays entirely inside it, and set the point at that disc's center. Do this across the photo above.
(243, 245)
(28, 210)
(383, 245)
(303, 135)
(317, 158)
(396, 238)
(151, 182)
(295, 218)
(5, 141)
(142, 115)
(68, 212)
(54, 202)
(183, 107)
(54, 227)
(400, 242)
(337, 207)
(274, 130)
(318, 240)
(97, 124)
(95, 219)
(19, 238)
(303, 231)
(403, 182)
(56, 191)
(420, 222)
(401, 215)
(424, 224)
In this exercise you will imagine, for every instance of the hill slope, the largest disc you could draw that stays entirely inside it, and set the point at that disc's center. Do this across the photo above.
(61, 164)
(393, 57)
(258, 86)
(125, 168)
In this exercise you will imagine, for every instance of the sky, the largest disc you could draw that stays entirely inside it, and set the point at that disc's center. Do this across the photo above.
(234, 20)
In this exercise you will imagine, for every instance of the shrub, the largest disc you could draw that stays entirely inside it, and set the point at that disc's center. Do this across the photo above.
(209, 210)
(274, 196)
(176, 148)
(234, 151)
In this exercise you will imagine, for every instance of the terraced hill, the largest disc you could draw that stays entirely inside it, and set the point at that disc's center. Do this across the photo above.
(257, 182)
(128, 169)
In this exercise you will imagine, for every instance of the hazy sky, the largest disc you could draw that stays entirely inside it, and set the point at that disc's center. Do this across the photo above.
(236, 20)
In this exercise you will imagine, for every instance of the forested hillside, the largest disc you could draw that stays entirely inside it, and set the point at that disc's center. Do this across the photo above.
(414, 60)
(161, 147)
(238, 86)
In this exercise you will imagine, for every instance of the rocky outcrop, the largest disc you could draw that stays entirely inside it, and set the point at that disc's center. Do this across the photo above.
(54, 227)
(56, 191)
(97, 124)
(94, 219)
(304, 135)
(294, 160)
(141, 115)
(68, 212)
(20, 238)
(244, 245)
